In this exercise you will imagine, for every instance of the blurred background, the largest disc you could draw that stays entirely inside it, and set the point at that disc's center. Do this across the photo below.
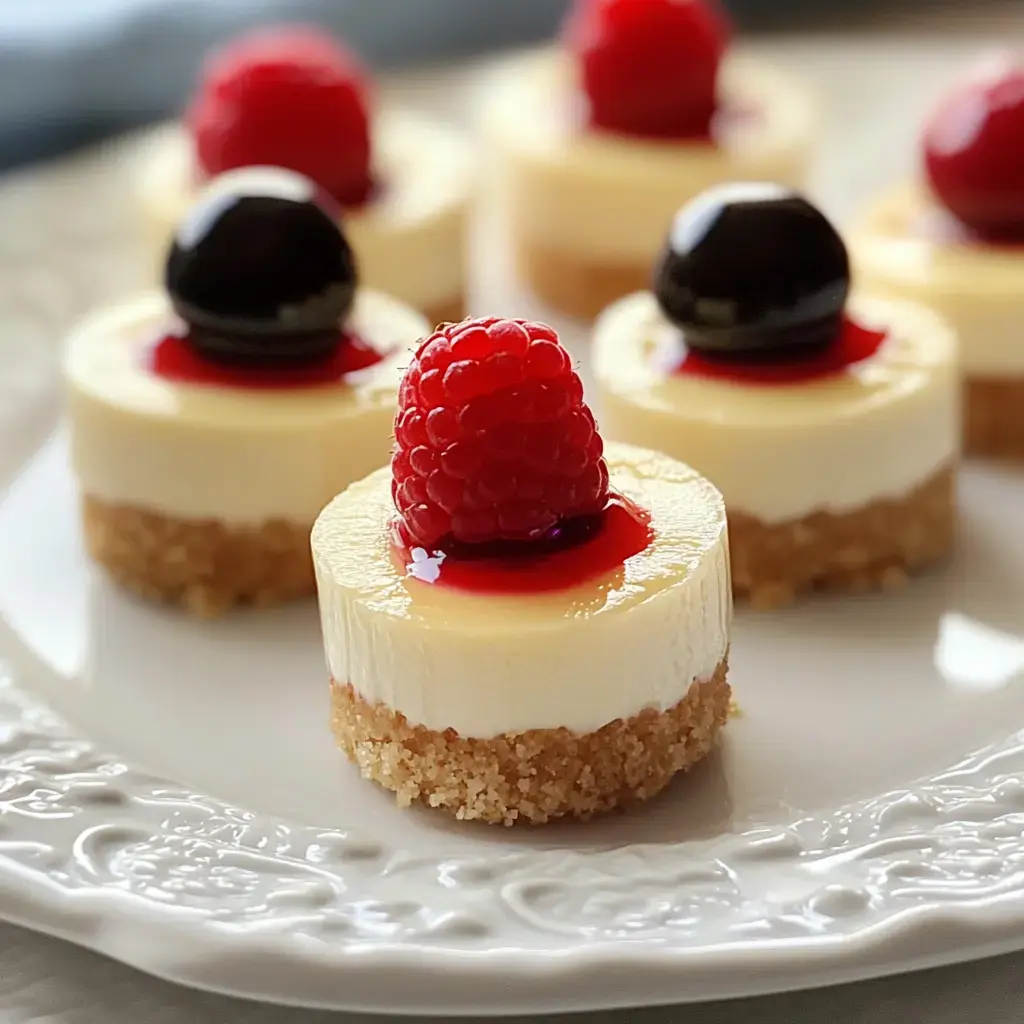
(73, 71)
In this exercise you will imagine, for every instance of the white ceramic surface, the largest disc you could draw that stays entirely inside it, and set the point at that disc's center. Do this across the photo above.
(866, 814)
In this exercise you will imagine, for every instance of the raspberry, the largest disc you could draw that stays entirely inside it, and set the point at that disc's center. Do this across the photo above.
(493, 439)
(649, 68)
(286, 97)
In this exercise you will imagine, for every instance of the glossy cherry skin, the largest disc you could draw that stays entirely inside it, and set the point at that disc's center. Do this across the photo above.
(261, 271)
(649, 68)
(753, 271)
(973, 149)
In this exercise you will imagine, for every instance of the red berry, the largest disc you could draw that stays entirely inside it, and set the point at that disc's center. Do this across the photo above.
(493, 439)
(974, 152)
(286, 97)
(649, 67)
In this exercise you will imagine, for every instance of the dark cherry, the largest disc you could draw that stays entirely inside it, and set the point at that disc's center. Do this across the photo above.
(753, 271)
(262, 273)
(972, 147)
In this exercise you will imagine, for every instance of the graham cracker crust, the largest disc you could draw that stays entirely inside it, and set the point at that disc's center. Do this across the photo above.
(202, 565)
(575, 286)
(874, 547)
(994, 417)
(451, 312)
(536, 776)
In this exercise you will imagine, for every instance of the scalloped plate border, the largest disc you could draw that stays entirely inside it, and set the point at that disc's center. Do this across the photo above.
(193, 890)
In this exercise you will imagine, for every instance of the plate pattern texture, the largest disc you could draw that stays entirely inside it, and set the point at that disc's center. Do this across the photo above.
(98, 852)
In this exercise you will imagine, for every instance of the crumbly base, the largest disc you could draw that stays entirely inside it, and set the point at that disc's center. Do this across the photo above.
(203, 565)
(575, 286)
(451, 312)
(531, 777)
(874, 547)
(994, 417)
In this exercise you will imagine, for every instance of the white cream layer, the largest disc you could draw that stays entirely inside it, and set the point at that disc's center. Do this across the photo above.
(899, 250)
(410, 243)
(782, 451)
(609, 199)
(486, 665)
(234, 454)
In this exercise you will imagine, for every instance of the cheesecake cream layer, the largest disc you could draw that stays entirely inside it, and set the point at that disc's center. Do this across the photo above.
(902, 248)
(485, 665)
(609, 197)
(782, 451)
(242, 456)
(409, 242)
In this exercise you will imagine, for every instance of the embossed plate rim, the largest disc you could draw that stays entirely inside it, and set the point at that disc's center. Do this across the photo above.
(302, 938)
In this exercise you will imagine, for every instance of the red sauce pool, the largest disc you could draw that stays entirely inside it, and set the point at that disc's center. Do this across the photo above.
(174, 359)
(855, 344)
(582, 550)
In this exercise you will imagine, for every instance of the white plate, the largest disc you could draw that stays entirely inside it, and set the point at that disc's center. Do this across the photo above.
(865, 816)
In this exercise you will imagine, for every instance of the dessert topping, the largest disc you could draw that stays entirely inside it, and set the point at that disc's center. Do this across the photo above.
(753, 273)
(288, 97)
(494, 442)
(649, 68)
(263, 277)
(973, 148)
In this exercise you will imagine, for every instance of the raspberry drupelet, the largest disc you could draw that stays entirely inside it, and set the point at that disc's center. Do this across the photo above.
(494, 442)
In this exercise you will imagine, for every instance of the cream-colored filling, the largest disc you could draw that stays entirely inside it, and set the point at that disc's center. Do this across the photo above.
(486, 664)
(410, 242)
(240, 455)
(782, 451)
(901, 248)
(607, 198)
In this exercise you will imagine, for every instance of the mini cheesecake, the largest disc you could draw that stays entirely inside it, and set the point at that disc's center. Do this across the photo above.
(295, 99)
(210, 425)
(519, 625)
(638, 111)
(956, 242)
(830, 426)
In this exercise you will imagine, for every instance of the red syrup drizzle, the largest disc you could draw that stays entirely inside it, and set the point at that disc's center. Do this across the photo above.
(854, 344)
(573, 553)
(174, 359)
